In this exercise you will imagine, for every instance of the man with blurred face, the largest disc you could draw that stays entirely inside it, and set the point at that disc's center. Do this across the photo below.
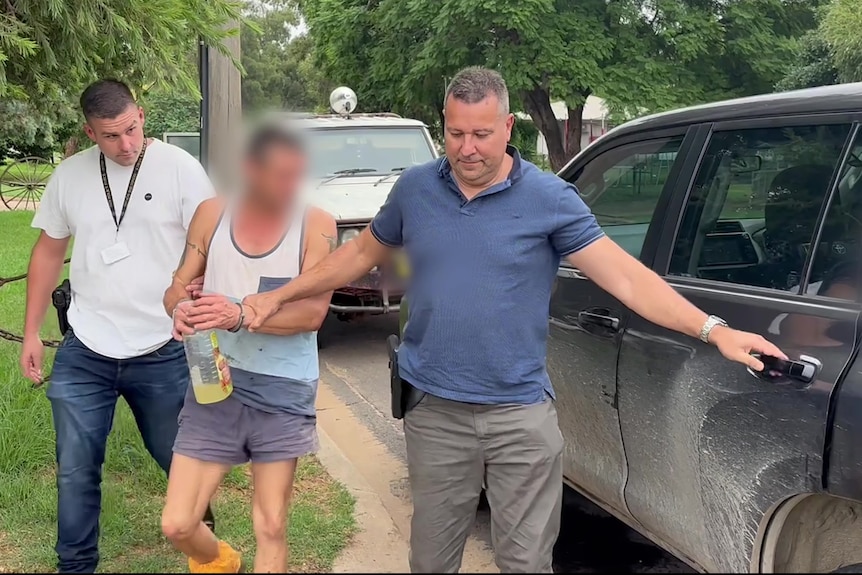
(485, 231)
(255, 244)
(127, 201)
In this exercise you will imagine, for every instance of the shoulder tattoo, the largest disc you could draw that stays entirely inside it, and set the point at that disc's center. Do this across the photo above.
(332, 241)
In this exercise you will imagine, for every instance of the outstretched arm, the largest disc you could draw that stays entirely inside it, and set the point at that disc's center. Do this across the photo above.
(347, 263)
(307, 314)
(645, 293)
(578, 237)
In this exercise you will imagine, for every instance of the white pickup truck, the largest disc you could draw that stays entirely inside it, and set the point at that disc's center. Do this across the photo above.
(355, 159)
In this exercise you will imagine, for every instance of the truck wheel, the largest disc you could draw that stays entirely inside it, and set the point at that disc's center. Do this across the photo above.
(811, 533)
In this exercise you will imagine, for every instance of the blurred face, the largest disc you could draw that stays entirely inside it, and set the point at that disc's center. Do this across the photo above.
(476, 136)
(120, 138)
(276, 178)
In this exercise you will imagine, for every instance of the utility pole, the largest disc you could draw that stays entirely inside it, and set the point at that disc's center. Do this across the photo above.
(221, 112)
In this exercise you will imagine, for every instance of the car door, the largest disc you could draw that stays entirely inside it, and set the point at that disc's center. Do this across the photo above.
(710, 445)
(622, 180)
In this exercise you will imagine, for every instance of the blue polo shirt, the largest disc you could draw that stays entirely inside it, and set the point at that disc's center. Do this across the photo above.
(481, 278)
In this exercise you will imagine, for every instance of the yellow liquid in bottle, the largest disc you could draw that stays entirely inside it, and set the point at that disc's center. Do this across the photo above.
(210, 393)
(211, 381)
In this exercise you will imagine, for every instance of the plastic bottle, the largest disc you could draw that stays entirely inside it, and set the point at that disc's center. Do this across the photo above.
(208, 369)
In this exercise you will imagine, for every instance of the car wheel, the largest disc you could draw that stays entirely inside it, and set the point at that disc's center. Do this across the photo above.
(811, 533)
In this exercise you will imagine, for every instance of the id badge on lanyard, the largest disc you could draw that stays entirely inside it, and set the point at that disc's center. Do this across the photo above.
(119, 250)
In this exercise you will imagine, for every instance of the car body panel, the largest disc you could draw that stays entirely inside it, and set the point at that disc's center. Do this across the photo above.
(806, 102)
(354, 199)
(710, 447)
(704, 449)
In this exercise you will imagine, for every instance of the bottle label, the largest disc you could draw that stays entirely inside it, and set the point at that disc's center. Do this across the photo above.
(221, 366)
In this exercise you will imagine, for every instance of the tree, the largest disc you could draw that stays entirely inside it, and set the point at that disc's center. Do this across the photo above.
(51, 48)
(842, 29)
(639, 56)
(26, 132)
(280, 72)
(814, 66)
(171, 111)
(832, 52)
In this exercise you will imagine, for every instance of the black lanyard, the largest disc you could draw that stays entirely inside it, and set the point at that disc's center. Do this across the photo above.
(109, 196)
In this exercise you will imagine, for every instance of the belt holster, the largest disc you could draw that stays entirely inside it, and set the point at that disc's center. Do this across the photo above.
(404, 396)
(62, 299)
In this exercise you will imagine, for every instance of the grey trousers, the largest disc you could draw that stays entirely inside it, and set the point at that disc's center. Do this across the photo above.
(516, 449)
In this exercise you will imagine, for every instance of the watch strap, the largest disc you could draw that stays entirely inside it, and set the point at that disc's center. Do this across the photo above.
(710, 323)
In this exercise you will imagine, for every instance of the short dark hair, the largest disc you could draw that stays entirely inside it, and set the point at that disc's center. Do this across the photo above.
(267, 136)
(106, 98)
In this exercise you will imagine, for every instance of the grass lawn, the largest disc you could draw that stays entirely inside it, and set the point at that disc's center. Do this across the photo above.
(321, 521)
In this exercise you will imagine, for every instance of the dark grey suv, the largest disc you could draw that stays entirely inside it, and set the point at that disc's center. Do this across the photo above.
(751, 209)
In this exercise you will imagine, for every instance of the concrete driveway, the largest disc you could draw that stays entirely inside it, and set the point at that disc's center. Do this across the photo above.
(353, 411)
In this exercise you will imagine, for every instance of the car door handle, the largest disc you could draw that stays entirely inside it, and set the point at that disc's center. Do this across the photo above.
(803, 370)
(601, 318)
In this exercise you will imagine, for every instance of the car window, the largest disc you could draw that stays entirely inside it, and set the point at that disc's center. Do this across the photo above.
(835, 265)
(622, 187)
(753, 209)
(367, 150)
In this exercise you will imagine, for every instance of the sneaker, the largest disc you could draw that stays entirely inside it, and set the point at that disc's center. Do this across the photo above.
(228, 561)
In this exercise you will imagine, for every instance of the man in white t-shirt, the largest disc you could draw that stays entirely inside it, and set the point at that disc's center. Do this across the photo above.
(128, 202)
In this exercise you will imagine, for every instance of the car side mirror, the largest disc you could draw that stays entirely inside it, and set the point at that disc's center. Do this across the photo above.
(745, 164)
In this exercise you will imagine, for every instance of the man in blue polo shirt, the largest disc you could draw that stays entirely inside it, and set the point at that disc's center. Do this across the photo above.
(484, 231)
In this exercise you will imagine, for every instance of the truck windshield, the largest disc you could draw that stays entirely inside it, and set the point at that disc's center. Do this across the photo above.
(366, 151)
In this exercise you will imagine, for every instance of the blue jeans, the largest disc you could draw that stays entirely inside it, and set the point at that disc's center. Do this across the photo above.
(83, 391)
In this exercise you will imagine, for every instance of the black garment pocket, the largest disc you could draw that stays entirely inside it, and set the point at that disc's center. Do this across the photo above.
(268, 284)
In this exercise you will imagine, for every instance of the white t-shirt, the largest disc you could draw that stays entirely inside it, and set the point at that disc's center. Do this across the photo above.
(116, 308)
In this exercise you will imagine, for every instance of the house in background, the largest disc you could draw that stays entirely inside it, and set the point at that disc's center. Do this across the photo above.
(595, 122)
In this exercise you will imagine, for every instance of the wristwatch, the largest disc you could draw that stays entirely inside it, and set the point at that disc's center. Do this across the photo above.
(710, 323)
(241, 319)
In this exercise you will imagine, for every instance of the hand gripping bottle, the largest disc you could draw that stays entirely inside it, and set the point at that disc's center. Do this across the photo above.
(208, 368)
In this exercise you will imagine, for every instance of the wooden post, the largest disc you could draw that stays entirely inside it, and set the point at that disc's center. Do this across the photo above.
(222, 100)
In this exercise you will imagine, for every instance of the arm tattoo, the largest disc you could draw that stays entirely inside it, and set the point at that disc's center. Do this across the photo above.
(332, 240)
(190, 246)
(200, 252)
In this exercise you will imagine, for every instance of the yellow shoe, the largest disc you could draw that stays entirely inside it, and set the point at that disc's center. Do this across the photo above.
(228, 561)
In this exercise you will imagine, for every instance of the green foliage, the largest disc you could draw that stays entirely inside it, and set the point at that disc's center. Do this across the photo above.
(525, 134)
(832, 52)
(167, 111)
(25, 131)
(842, 29)
(280, 72)
(52, 47)
(814, 65)
(640, 56)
